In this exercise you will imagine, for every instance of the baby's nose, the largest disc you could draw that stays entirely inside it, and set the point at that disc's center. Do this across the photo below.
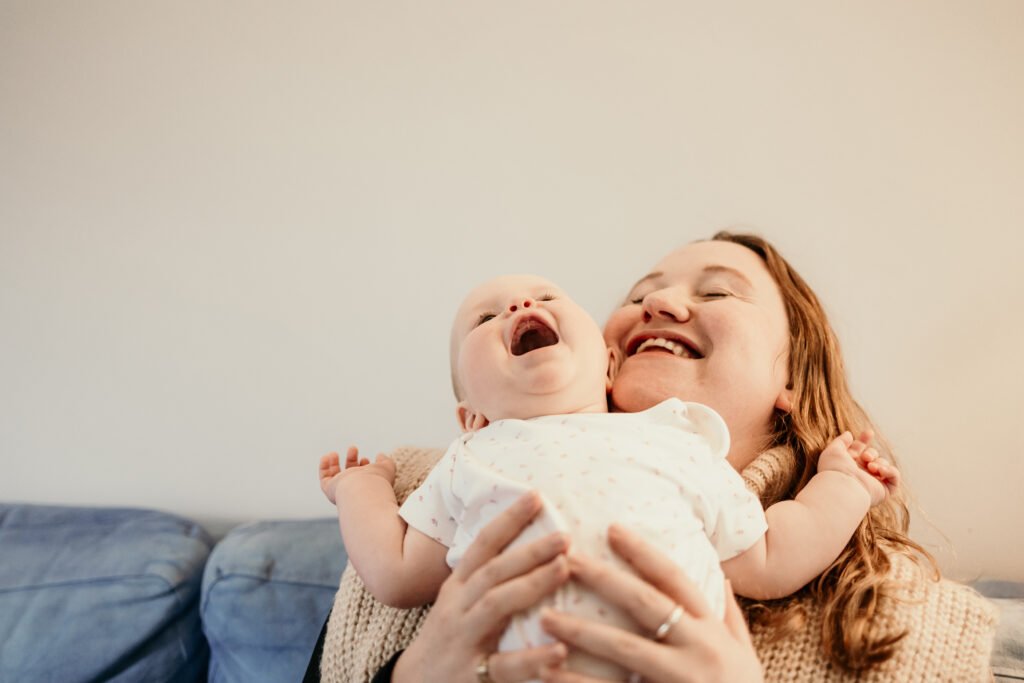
(525, 303)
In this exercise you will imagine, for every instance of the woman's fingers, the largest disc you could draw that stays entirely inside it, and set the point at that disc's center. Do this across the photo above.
(612, 644)
(657, 569)
(525, 665)
(497, 534)
(513, 563)
(734, 619)
(490, 614)
(551, 675)
(648, 606)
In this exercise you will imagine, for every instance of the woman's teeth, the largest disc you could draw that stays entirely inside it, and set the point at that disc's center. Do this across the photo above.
(667, 344)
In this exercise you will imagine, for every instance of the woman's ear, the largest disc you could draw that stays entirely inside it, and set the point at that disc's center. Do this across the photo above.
(784, 401)
(469, 419)
(614, 361)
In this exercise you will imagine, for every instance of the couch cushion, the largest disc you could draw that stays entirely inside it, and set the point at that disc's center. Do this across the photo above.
(1008, 652)
(267, 589)
(89, 594)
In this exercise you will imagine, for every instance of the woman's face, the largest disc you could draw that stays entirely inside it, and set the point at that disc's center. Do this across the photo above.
(708, 325)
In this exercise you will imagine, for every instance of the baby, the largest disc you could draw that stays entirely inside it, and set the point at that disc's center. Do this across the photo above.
(531, 373)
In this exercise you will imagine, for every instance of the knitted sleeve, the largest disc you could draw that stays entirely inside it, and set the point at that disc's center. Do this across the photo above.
(363, 634)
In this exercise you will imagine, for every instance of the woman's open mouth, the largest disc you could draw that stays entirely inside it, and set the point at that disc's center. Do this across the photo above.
(682, 348)
(531, 334)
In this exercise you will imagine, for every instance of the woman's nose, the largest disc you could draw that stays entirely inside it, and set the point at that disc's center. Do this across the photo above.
(662, 304)
(520, 303)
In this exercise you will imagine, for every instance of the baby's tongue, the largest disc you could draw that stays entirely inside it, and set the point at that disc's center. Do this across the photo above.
(532, 335)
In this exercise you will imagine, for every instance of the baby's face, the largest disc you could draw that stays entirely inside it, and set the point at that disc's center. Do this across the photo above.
(522, 348)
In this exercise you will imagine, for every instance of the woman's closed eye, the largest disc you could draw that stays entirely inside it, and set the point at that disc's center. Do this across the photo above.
(634, 299)
(715, 294)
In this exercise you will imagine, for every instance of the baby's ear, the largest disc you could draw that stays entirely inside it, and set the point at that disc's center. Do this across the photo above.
(614, 362)
(469, 419)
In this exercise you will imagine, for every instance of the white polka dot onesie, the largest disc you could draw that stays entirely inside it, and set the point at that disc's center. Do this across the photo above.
(661, 472)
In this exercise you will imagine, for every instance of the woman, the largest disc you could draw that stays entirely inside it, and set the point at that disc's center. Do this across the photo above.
(768, 362)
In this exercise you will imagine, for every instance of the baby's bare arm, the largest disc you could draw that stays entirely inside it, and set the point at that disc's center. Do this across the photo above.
(401, 567)
(806, 535)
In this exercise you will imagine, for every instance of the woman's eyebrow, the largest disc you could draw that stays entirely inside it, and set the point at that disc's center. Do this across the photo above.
(645, 278)
(728, 271)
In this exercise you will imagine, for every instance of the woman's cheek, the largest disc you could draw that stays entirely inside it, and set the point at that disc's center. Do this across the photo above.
(619, 323)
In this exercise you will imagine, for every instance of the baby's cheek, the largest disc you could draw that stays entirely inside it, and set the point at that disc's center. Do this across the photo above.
(475, 370)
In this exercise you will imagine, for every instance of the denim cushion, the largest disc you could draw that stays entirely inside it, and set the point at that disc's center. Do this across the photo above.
(267, 590)
(89, 594)
(1008, 652)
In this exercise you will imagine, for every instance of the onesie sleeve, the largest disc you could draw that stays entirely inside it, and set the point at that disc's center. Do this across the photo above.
(737, 519)
(733, 517)
(433, 507)
(703, 420)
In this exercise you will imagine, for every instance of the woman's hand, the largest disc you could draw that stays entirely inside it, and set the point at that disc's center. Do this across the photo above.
(477, 601)
(699, 648)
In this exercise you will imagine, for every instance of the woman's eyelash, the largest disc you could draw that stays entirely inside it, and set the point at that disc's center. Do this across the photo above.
(713, 294)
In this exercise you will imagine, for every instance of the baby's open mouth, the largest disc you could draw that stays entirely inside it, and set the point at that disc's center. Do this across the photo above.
(531, 334)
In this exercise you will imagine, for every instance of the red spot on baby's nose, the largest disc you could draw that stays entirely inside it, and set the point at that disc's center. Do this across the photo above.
(512, 308)
(526, 304)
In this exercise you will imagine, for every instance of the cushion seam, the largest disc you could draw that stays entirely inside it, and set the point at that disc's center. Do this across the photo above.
(213, 584)
(83, 582)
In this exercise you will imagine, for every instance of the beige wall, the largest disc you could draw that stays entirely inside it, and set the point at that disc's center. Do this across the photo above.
(232, 234)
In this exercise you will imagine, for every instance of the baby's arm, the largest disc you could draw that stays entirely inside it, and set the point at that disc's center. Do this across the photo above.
(806, 535)
(401, 567)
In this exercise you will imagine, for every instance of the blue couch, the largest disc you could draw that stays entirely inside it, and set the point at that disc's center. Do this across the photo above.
(124, 595)
(92, 594)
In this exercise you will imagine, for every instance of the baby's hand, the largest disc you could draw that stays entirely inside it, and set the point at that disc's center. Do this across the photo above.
(331, 473)
(854, 457)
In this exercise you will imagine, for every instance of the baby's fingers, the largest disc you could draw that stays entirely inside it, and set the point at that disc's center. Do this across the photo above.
(887, 472)
(869, 458)
(860, 445)
(858, 448)
(329, 465)
(352, 457)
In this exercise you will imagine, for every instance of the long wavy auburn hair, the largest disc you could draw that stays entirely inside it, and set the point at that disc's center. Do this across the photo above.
(852, 589)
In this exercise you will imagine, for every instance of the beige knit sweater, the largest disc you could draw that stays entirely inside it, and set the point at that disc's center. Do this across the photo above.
(950, 626)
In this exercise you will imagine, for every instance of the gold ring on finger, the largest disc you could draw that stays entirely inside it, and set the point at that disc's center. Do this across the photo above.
(673, 618)
(483, 670)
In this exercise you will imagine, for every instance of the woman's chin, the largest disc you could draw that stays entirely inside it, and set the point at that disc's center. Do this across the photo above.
(635, 390)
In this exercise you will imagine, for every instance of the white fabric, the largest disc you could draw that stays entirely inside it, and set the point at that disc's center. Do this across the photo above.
(661, 472)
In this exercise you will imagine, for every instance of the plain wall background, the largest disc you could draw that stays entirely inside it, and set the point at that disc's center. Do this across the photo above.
(232, 235)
